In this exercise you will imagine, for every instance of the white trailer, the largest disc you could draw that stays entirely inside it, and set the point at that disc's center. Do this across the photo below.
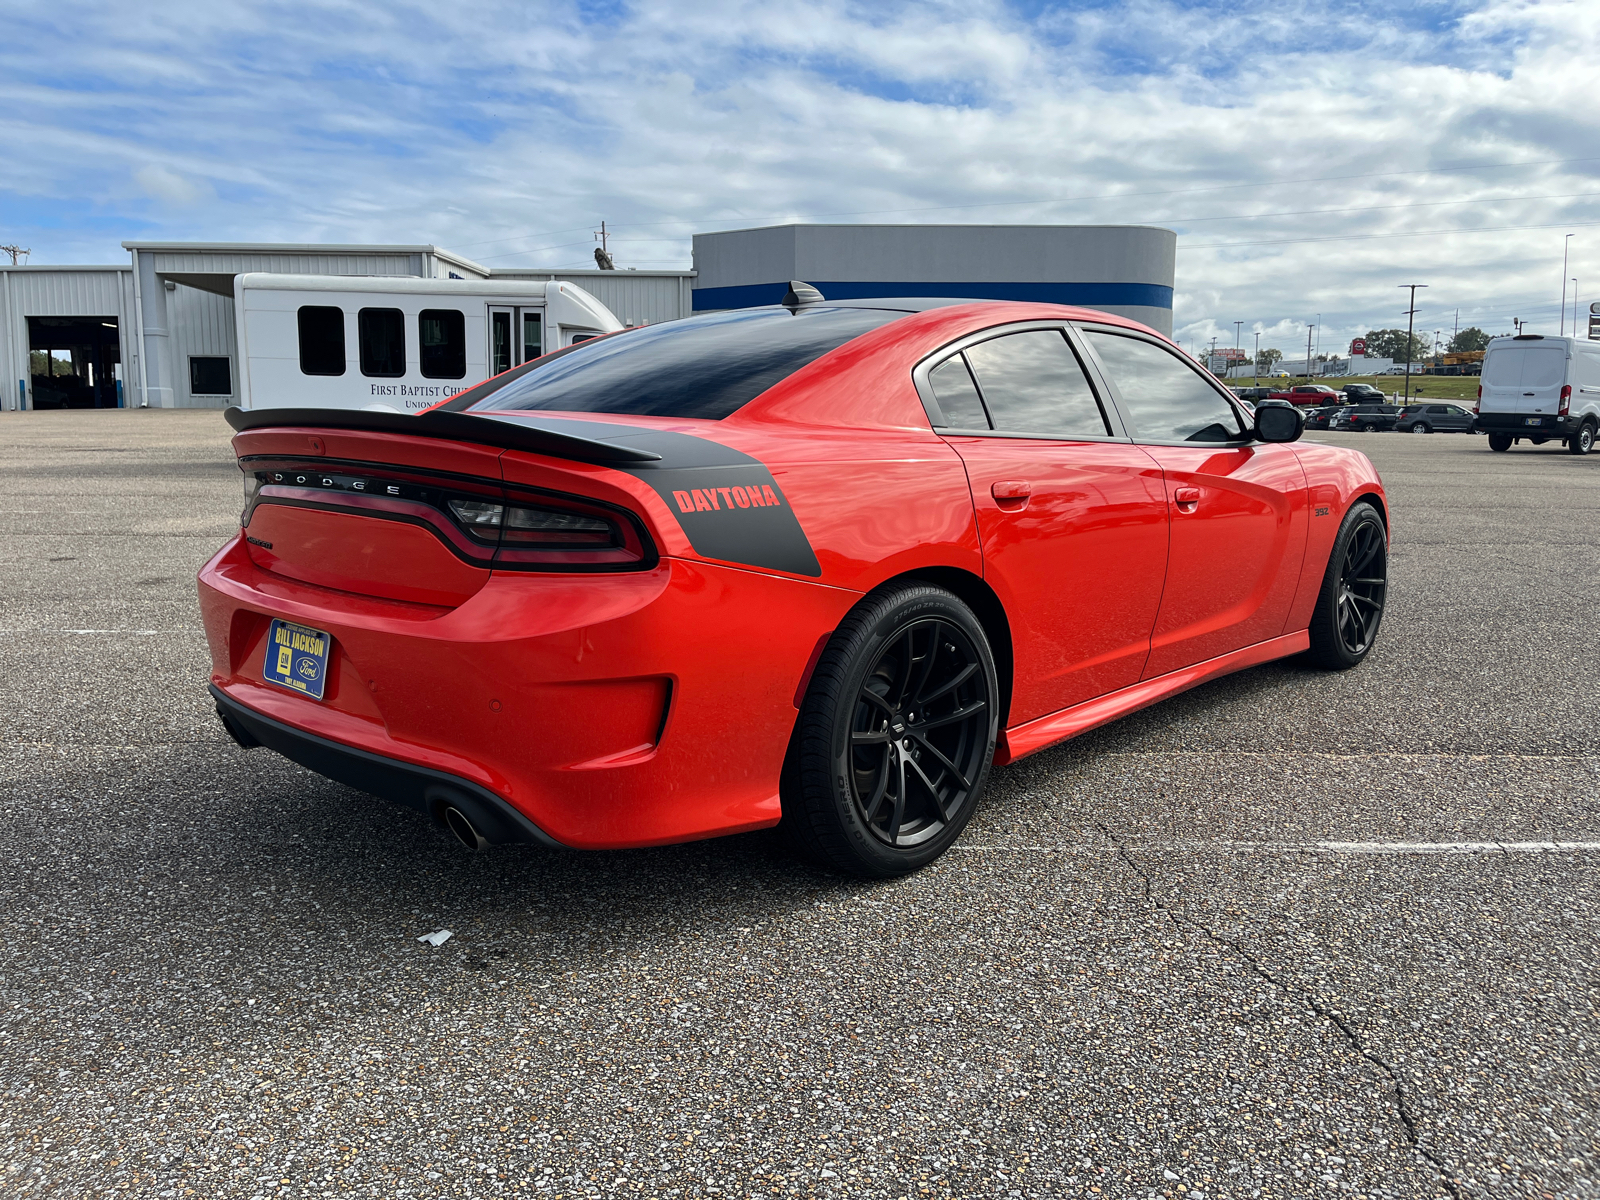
(396, 342)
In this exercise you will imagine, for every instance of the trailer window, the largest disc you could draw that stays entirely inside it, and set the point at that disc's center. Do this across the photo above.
(321, 340)
(383, 342)
(443, 338)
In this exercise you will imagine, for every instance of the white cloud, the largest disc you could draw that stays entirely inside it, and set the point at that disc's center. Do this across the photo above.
(169, 187)
(408, 123)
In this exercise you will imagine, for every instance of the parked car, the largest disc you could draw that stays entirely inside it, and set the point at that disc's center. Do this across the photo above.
(1434, 418)
(1322, 418)
(1253, 394)
(1366, 418)
(546, 611)
(1307, 393)
(1363, 393)
(1545, 389)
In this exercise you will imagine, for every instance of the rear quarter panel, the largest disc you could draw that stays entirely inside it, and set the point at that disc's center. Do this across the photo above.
(1336, 477)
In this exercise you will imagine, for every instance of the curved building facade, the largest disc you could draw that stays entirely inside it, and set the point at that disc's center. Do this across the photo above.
(1124, 269)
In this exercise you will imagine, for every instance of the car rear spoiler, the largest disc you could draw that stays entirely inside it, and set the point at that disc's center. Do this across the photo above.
(488, 430)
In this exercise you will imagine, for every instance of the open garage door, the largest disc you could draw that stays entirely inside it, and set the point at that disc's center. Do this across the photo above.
(72, 362)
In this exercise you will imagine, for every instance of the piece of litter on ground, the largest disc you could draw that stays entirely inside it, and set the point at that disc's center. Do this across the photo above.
(437, 938)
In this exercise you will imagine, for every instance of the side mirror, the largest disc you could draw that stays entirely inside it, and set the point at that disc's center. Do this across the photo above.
(1279, 423)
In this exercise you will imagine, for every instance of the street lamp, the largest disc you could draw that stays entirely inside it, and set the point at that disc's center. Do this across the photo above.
(1258, 358)
(1238, 332)
(1411, 324)
(1565, 243)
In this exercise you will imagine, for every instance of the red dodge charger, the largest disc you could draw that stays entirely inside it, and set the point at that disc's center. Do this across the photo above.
(821, 563)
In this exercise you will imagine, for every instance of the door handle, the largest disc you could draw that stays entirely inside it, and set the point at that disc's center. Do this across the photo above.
(1186, 498)
(1011, 494)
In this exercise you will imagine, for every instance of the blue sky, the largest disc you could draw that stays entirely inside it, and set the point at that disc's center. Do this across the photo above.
(1310, 156)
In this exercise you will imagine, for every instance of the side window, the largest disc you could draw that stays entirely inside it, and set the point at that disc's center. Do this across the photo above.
(210, 376)
(1033, 383)
(957, 395)
(321, 340)
(383, 342)
(1164, 399)
(1437, 408)
(532, 336)
(442, 337)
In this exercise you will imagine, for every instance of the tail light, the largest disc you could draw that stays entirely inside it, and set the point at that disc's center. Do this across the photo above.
(480, 523)
(1566, 399)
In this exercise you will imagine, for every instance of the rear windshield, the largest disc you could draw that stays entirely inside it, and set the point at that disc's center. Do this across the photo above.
(1525, 366)
(706, 367)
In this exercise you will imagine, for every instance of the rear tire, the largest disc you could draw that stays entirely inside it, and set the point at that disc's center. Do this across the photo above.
(1421, 427)
(1354, 590)
(896, 734)
(1583, 441)
(1500, 442)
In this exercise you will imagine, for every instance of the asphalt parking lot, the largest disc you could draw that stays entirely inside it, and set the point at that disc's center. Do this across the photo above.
(1290, 934)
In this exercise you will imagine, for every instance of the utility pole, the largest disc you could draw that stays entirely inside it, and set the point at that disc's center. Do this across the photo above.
(1574, 306)
(1258, 358)
(1411, 323)
(1238, 332)
(1457, 332)
(14, 251)
(1309, 328)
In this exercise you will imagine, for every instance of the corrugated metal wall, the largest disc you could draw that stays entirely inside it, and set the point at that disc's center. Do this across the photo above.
(61, 292)
(201, 323)
(636, 298)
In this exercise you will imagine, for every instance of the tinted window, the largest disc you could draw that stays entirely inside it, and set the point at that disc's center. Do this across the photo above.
(703, 367)
(383, 342)
(957, 395)
(532, 336)
(442, 337)
(321, 340)
(1525, 366)
(210, 377)
(1032, 383)
(1163, 398)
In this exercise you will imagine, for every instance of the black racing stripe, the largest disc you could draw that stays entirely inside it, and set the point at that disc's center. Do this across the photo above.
(696, 477)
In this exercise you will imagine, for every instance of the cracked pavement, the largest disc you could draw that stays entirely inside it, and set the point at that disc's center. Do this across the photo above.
(1142, 973)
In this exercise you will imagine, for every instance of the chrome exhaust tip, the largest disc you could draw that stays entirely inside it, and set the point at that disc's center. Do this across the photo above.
(463, 828)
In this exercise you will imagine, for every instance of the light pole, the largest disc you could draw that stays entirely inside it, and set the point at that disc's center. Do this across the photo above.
(1309, 328)
(1574, 306)
(1238, 332)
(1258, 358)
(1565, 243)
(1411, 323)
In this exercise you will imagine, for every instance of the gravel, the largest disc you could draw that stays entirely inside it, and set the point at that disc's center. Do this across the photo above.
(1149, 970)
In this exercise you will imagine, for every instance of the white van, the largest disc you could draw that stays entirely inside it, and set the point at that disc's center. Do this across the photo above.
(1542, 388)
(398, 342)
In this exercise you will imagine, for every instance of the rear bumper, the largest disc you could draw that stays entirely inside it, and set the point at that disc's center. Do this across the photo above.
(421, 788)
(609, 711)
(1518, 424)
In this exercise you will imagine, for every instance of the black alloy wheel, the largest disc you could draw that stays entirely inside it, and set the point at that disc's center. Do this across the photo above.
(1354, 591)
(896, 736)
(918, 733)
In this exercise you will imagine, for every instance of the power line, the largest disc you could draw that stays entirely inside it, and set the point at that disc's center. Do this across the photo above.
(1362, 237)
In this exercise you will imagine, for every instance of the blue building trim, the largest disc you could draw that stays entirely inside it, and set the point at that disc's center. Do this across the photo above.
(1084, 295)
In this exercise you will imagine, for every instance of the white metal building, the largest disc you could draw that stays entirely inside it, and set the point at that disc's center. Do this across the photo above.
(161, 330)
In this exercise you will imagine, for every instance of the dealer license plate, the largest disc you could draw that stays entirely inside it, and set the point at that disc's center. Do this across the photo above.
(1533, 420)
(297, 658)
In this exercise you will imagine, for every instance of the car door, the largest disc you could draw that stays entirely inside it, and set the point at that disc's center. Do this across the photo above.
(1072, 516)
(1237, 507)
(1454, 418)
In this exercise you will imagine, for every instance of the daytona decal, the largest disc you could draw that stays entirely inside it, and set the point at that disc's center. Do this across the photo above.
(728, 504)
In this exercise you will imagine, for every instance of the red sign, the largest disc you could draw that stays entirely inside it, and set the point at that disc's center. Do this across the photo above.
(1358, 346)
